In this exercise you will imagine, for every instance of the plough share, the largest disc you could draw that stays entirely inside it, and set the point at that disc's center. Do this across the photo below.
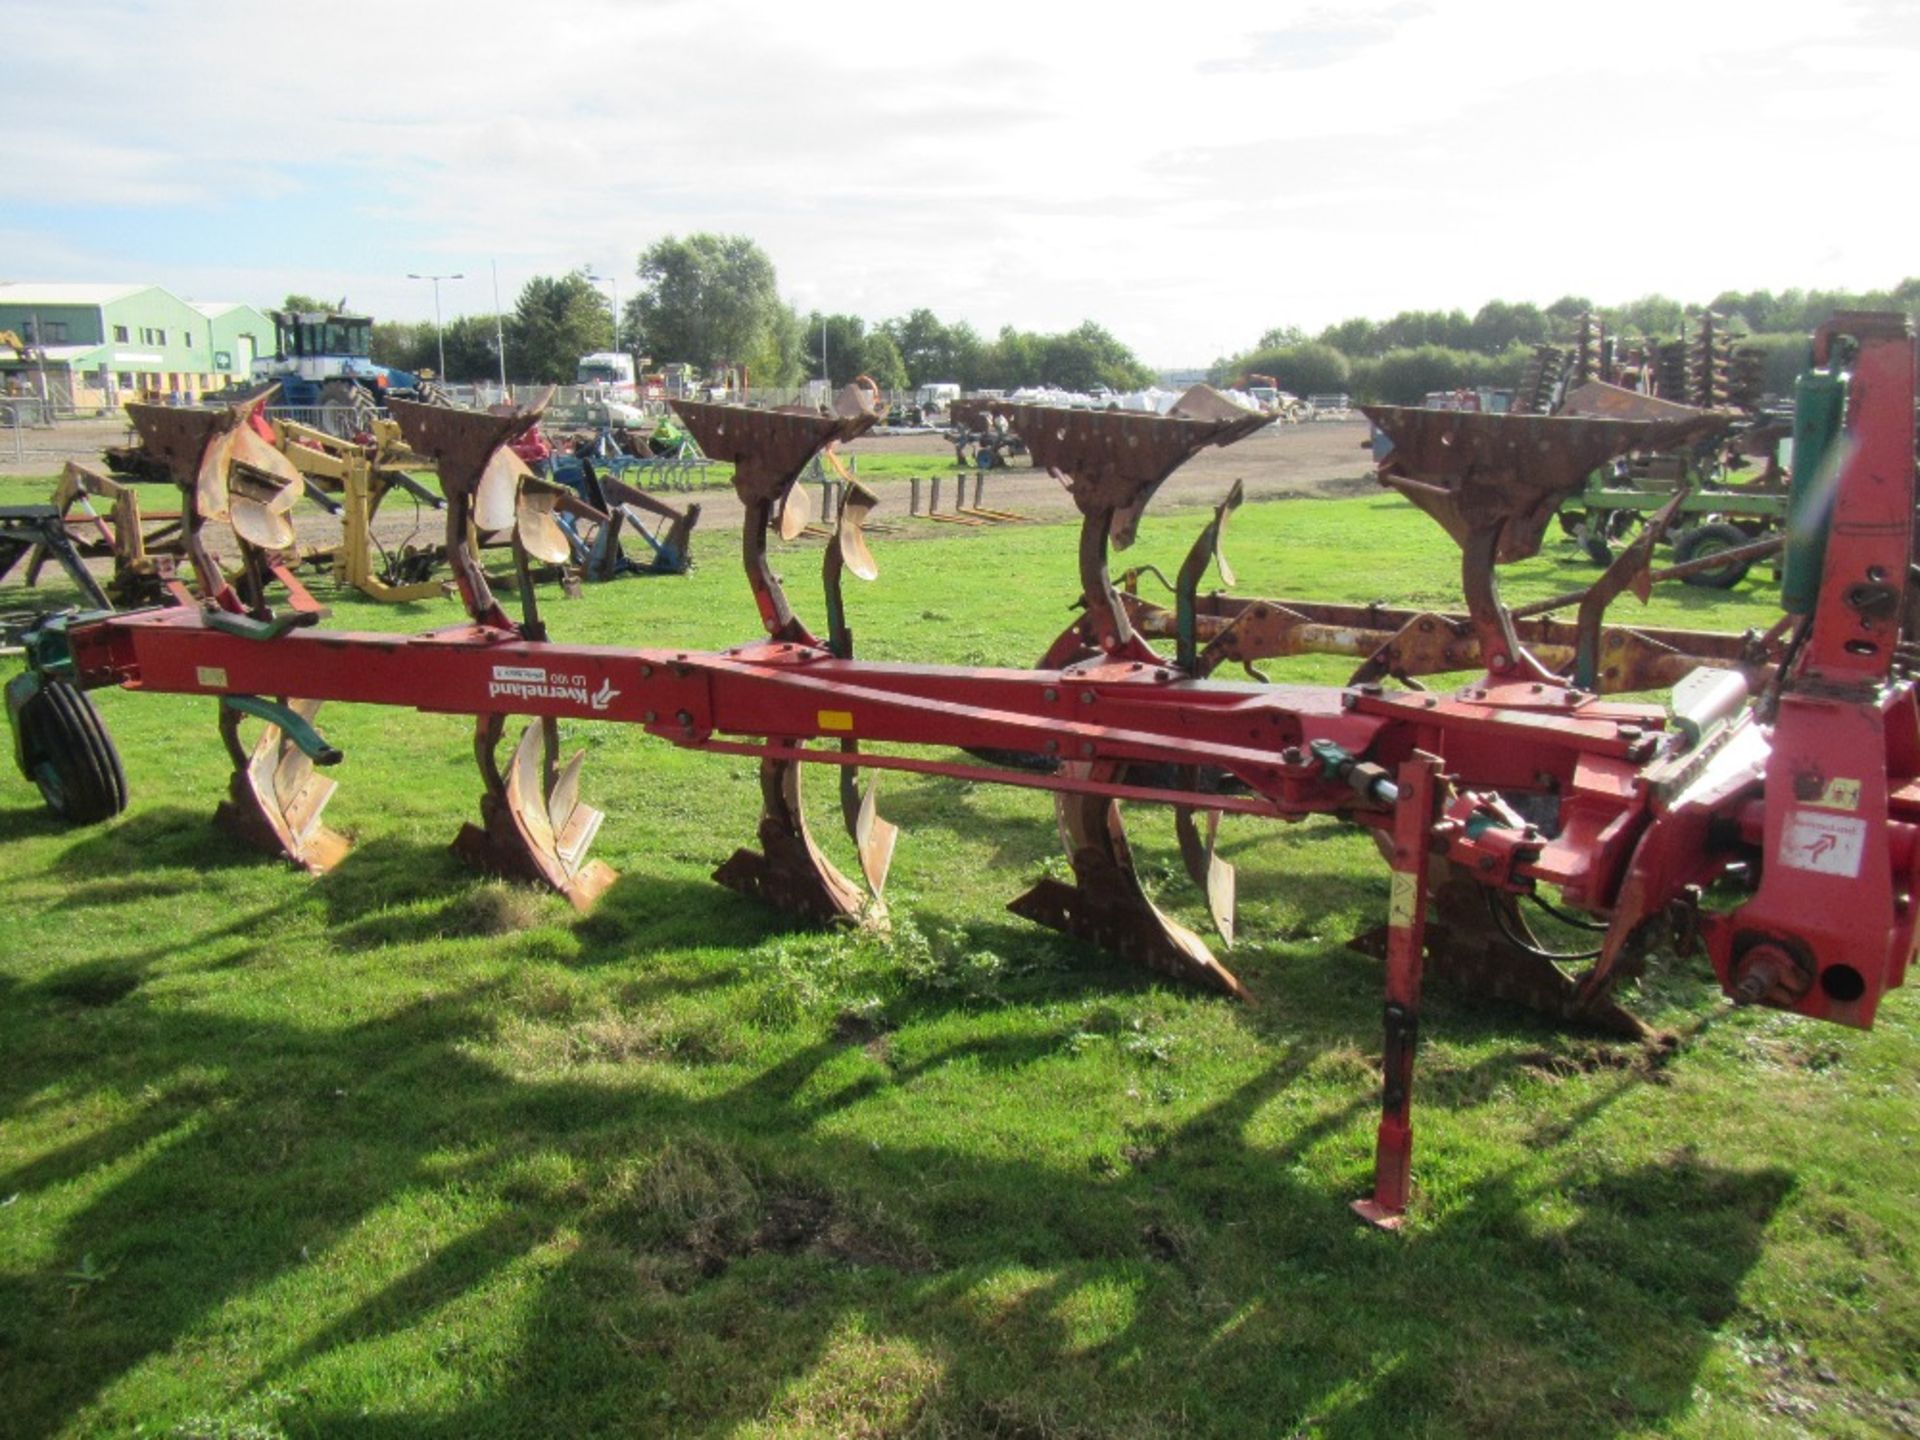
(1795, 805)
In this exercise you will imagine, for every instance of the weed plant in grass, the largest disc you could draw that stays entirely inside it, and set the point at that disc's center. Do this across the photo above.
(404, 1151)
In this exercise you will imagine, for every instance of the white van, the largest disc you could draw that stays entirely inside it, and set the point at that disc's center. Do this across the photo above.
(937, 396)
(608, 373)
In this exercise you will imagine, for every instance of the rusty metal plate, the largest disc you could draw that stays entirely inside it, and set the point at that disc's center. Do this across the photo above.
(177, 437)
(460, 442)
(1113, 460)
(1473, 471)
(1596, 399)
(767, 448)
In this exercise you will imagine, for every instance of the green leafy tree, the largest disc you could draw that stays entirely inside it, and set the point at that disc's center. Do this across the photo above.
(1563, 316)
(1650, 315)
(401, 344)
(925, 345)
(964, 357)
(1499, 325)
(309, 303)
(472, 353)
(1012, 359)
(777, 360)
(1405, 376)
(935, 352)
(708, 300)
(1306, 368)
(1785, 357)
(1353, 338)
(841, 339)
(881, 359)
(1076, 359)
(1412, 328)
(1090, 355)
(555, 322)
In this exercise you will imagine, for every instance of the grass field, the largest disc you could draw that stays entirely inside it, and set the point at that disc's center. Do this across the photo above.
(404, 1152)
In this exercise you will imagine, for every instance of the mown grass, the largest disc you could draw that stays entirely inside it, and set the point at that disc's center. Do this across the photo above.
(403, 1151)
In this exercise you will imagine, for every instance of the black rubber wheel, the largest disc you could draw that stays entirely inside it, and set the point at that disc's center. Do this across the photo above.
(71, 757)
(1710, 539)
(1595, 547)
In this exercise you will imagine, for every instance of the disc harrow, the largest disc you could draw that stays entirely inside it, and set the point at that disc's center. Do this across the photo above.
(1801, 802)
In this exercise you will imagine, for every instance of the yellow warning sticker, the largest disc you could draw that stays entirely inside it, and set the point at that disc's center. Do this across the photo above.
(834, 720)
(1840, 795)
(212, 676)
(1400, 899)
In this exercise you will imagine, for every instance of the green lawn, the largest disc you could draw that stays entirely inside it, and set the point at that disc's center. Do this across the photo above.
(405, 1152)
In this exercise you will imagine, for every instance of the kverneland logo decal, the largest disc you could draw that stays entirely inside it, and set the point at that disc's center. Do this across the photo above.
(532, 682)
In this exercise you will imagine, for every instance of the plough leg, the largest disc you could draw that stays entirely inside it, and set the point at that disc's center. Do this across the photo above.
(1106, 905)
(789, 872)
(873, 836)
(1413, 818)
(1215, 877)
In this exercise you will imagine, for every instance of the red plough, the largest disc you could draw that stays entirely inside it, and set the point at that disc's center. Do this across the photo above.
(1800, 803)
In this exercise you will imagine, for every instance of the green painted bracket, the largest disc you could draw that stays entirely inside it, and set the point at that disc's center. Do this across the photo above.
(310, 741)
(1819, 405)
(245, 627)
(47, 647)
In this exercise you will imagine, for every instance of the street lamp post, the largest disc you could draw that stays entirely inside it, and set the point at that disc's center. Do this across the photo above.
(439, 337)
(614, 281)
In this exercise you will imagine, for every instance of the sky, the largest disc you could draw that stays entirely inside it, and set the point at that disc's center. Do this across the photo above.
(1188, 178)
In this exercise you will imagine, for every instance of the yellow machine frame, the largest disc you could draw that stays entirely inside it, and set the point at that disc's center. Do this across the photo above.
(362, 481)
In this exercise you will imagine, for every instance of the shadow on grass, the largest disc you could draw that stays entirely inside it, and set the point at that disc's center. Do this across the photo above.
(165, 837)
(26, 817)
(1249, 1289)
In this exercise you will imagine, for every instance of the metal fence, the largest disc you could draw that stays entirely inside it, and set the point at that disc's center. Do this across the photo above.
(21, 413)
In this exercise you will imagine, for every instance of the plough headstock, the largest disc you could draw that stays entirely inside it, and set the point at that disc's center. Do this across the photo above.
(1508, 473)
(1112, 461)
(463, 443)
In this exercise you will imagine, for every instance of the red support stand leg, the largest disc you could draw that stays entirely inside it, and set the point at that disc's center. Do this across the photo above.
(1413, 818)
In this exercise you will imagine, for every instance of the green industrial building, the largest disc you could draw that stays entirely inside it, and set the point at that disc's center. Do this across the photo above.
(99, 346)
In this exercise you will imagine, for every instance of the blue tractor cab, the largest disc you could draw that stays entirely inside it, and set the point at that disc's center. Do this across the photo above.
(322, 358)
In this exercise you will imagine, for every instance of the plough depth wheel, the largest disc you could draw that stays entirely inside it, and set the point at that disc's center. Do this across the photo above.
(65, 750)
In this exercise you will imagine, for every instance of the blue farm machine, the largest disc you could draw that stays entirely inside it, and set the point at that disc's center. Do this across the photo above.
(323, 360)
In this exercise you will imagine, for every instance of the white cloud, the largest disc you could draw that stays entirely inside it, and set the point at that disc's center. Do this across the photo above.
(1187, 180)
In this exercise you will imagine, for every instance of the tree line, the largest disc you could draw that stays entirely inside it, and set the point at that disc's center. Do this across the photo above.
(1402, 359)
(555, 321)
(713, 301)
